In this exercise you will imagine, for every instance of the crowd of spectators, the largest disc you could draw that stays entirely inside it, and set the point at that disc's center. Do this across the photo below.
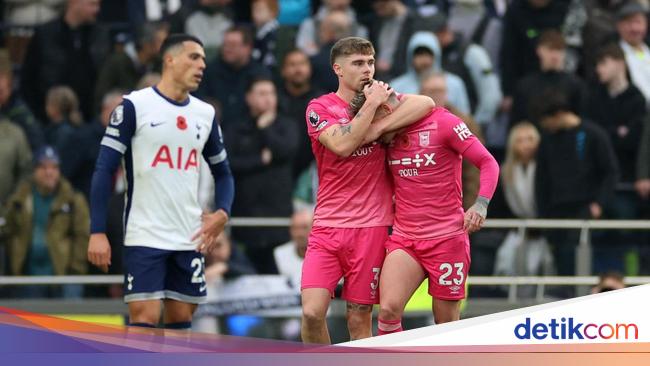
(558, 90)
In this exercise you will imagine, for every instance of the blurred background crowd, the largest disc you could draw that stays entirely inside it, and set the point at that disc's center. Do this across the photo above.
(558, 90)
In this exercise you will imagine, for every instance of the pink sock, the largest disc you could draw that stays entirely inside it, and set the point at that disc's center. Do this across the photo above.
(389, 326)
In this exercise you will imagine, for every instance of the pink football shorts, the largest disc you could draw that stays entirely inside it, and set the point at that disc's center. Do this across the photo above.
(354, 254)
(445, 261)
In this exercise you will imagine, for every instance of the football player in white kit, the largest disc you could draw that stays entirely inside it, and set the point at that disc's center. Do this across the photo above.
(160, 133)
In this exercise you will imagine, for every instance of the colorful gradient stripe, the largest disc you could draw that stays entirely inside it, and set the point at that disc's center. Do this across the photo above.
(36, 339)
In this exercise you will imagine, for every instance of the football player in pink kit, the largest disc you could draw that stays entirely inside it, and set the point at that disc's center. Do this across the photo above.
(430, 233)
(354, 206)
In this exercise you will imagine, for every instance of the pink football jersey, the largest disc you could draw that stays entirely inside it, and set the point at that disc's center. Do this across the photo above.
(425, 161)
(354, 191)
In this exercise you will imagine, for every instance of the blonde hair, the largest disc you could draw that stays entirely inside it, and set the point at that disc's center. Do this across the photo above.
(66, 101)
(511, 158)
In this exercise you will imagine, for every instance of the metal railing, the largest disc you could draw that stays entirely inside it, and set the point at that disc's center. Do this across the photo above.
(583, 249)
(583, 256)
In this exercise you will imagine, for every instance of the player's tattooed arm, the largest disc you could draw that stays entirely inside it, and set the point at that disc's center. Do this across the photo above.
(343, 140)
(344, 130)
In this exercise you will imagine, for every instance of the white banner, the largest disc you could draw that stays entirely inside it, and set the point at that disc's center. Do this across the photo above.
(611, 317)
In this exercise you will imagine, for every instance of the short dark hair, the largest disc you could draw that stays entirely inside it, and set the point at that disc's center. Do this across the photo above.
(552, 39)
(548, 103)
(423, 50)
(246, 33)
(258, 79)
(176, 39)
(291, 52)
(351, 46)
(610, 50)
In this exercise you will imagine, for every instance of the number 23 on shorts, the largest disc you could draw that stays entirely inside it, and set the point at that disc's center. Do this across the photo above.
(457, 278)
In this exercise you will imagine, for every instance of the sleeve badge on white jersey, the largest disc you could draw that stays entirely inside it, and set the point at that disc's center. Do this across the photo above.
(313, 118)
(117, 116)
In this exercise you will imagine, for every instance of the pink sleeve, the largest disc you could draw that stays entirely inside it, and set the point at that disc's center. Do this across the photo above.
(318, 117)
(478, 155)
(454, 131)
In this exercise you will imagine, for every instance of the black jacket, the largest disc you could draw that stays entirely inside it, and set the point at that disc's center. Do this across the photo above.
(530, 88)
(322, 76)
(575, 167)
(294, 107)
(78, 158)
(59, 55)
(625, 111)
(522, 26)
(227, 86)
(262, 190)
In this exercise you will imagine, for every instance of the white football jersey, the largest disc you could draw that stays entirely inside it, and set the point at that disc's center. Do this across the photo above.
(163, 142)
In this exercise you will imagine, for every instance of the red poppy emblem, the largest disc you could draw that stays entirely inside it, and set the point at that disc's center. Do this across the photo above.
(181, 123)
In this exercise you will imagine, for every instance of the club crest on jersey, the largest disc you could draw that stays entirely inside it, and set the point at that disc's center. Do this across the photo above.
(117, 116)
(424, 138)
(181, 123)
(313, 118)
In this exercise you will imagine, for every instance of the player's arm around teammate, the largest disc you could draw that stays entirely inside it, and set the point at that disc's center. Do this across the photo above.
(412, 107)
(343, 140)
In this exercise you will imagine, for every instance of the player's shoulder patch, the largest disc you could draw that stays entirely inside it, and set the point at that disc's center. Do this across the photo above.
(117, 117)
(321, 125)
(314, 118)
(462, 131)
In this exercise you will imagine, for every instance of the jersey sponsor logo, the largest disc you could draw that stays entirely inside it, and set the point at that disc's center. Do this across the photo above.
(321, 125)
(424, 138)
(364, 150)
(427, 159)
(462, 131)
(117, 116)
(164, 157)
(411, 172)
(417, 161)
(111, 131)
(313, 118)
(156, 124)
(181, 123)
